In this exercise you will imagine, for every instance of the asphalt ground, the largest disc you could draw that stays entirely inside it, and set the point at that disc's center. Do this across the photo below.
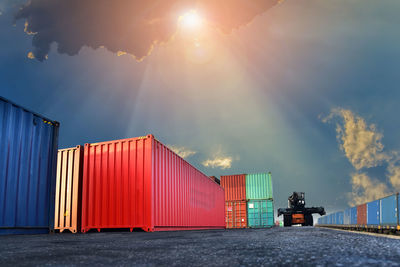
(296, 246)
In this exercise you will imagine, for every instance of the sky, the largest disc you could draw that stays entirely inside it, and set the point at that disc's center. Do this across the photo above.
(307, 89)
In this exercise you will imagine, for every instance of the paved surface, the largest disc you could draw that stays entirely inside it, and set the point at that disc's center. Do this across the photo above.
(284, 246)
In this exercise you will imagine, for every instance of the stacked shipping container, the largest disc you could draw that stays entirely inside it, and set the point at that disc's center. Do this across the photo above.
(248, 200)
(235, 200)
(260, 209)
(28, 150)
(381, 213)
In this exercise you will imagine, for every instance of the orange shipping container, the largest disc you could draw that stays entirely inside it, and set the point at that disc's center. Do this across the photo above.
(68, 189)
(236, 214)
(235, 187)
(362, 214)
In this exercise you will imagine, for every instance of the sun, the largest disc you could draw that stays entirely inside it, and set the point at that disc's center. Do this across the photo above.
(191, 20)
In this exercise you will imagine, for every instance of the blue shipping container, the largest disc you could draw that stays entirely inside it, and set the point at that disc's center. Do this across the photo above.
(28, 151)
(347, 215)
(389, 210)
(373, 213)
(353, 215)
(339, 219)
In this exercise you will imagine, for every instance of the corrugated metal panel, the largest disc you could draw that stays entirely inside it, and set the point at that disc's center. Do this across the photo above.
(362, 214)
(340, 217)
(28, 151)
(353, 215)
(260, 213)
(235, 187)
(68, 189)
(389, 210)
(184, 197)
(117, 186)
(373, 213)
(336, 218)
(259, 186)
(140, 183)
(236, 214)
(347, 215)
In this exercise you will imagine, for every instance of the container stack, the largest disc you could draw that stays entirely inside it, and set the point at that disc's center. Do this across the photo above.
(235, 200)
(260, 206)
(248, 200)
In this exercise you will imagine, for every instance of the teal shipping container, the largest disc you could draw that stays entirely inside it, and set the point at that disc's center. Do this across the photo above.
(260, 213)
(259, 186)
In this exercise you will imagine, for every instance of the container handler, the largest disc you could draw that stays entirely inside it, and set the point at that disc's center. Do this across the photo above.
(297, 213)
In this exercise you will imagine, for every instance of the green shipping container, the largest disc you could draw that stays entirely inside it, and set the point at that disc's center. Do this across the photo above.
(260, 213)
(259, 186)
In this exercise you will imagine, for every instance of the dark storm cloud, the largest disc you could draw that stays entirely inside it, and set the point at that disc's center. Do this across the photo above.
(131, 26)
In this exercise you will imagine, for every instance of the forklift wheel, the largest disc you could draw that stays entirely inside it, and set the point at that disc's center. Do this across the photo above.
(287, 220)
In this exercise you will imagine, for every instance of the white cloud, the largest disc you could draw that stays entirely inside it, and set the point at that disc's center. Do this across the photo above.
(394, 174)
(366, 189)
(218, 162)
(182, 151)
(362, 145)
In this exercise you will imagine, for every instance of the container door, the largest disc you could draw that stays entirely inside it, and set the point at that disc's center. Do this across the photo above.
(251, 213)
(236, 214)
(263, 213)
(260, 213)
(270, 213)
(373, 212)
(389, 210)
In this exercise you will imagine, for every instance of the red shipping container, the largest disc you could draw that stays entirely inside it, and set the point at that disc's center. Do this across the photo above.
(235, 187)
(140, 183)
(236, 214)
(362, 214)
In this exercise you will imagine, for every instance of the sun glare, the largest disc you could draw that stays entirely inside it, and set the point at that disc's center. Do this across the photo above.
(191, 20)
